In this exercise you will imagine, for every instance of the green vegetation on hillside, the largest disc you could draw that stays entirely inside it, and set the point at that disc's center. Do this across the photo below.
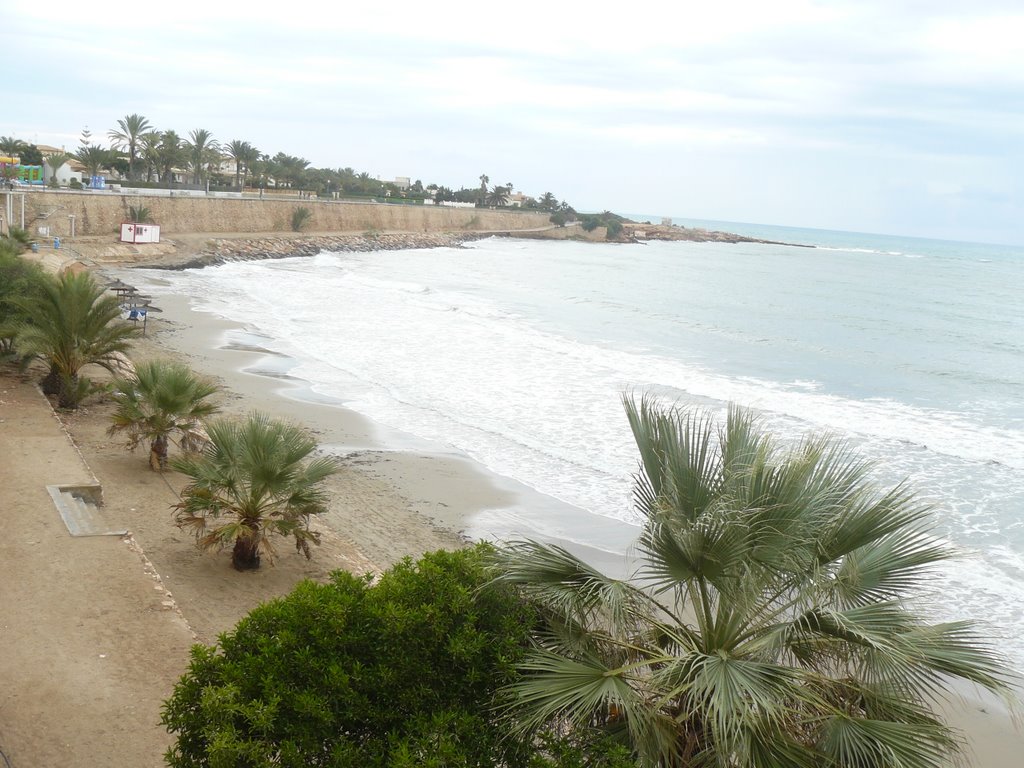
(613, 221)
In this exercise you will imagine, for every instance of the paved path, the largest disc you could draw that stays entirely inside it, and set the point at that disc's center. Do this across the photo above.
(89, 642)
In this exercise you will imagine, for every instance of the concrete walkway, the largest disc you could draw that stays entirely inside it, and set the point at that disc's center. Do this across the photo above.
(90, 644)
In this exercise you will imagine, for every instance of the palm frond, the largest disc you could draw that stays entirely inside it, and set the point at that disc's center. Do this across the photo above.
(256, 473)
(769, 621)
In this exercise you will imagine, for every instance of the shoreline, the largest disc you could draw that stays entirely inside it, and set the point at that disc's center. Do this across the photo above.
(987, 724)
(395, 496)
(445, 488)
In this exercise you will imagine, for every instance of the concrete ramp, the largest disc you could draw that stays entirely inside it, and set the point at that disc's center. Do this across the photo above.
(79, 507)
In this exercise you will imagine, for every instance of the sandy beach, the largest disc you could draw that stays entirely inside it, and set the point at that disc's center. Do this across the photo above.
(96, 630)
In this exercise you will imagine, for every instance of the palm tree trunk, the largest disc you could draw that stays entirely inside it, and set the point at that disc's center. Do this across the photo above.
(67, 397)
(246, 554)
(158, 454)
(51, 382)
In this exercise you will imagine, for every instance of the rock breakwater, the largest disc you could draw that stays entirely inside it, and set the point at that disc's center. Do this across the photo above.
(221, 250)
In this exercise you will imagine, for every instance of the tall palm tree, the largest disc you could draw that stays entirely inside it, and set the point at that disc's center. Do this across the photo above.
(162, 398)
(548, 202)
(171, 154)
(149, 152)
(253, 480)
(239, 152)
(72, 324)
(132, 127)
(251, 159)
(199, 146)
(767, 623)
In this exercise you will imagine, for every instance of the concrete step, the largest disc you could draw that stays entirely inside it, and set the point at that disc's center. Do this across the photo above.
(79, 507)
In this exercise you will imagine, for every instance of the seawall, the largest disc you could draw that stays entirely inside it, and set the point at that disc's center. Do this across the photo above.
(102, 213)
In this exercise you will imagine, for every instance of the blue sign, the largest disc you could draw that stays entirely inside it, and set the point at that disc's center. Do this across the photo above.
(97, 182)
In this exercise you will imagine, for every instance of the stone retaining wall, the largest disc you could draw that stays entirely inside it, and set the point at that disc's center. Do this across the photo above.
(102, 213)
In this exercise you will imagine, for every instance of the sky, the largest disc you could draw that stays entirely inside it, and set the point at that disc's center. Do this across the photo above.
(889, 117)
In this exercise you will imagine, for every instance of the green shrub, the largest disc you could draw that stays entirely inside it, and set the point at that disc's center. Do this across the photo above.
(74, 184)
(398, 673)
(18, 278)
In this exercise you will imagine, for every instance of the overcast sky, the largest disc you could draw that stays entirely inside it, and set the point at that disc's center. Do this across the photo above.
(893, 117)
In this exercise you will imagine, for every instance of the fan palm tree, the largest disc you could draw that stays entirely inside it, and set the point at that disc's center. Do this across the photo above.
(72, 324)
(162, 398)
(768, 622)
(484, 181)
(253, 480)
(132, 127)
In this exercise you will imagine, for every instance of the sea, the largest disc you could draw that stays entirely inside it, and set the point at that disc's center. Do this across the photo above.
(517, 354)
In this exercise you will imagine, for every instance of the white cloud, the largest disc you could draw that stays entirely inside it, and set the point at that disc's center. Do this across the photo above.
(850, 86)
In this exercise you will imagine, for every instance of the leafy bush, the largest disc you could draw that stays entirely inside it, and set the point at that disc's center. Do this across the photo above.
(74, 184)
(18, 278)
(300, 217)
(398, 673)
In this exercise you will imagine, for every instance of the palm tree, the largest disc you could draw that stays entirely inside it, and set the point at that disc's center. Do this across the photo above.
(149, 151)
(199, 148)
(548, 202)
(132, 127)
(162, 398)
(251, 159)
(93, 157)
(239, 151)
(484, 181)
(11, 147)
(767, 622)
(56, 161)
(72, 324)
(170, 155)
(253, 480)
(288, 169)
(498, 197)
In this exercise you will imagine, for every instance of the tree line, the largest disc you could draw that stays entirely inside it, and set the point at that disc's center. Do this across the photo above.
(141, 153)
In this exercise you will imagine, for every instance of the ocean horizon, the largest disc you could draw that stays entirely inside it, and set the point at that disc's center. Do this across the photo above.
(517, 353)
